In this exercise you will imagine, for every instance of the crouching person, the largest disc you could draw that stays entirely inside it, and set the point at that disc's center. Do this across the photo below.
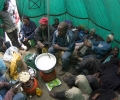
(8, 93)
(85, 85)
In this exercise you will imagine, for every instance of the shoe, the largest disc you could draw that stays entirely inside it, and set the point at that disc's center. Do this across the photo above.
(58, 95)
(61, 72)
(21, 48)
(53, 94)
(28, 48)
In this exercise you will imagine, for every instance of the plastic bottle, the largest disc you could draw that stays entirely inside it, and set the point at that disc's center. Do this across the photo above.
(38, 92)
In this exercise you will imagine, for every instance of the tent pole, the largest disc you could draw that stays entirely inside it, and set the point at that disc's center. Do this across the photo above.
(48, 12)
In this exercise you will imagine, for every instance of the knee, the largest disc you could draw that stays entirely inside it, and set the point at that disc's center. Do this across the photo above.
(21, 40)
(80, 79)
(50, 50)
(64, 57)
(91, 59)
(21, 96)
(75, 92)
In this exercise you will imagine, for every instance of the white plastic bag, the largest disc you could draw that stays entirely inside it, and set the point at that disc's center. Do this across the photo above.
(9, 53)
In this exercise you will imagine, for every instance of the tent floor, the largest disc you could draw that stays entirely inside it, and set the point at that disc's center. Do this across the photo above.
(42, 85)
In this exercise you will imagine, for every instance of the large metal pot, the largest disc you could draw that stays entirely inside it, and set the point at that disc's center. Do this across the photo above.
(45, 62)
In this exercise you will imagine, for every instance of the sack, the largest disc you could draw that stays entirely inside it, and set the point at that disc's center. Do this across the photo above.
(15, 62)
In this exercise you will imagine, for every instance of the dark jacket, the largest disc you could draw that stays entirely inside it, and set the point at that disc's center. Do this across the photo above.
(43, 35)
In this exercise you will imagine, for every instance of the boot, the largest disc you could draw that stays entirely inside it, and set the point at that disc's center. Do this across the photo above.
(58, 95)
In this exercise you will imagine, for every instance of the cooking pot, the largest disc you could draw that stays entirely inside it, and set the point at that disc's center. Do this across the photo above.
(45, 62)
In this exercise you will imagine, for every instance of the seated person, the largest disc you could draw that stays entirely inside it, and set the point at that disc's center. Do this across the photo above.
(81, 34)
(4, 45)
(93, 36)
(83, 50)
(100, 48)
(55, 25)
(63, 40)
(8, 93)
(41, 35)
(27, 31)
(91, 65)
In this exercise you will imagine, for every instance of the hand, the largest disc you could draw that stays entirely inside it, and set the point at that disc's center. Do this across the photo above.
(4, 46)
(4, 83)
(87, 43)
(20, 35)
(95, 96)
(36, 46)
(4, 26)
(14, 90)
(96, 74)
(40, 45)
(25, 39)
(56, 46)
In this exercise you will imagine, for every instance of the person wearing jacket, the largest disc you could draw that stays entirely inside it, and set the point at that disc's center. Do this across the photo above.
(41, 35)
(100, 48)
(7, 92)
(27, 31)
(63, 40)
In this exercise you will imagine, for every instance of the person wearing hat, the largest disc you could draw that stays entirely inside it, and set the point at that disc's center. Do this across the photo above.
(9, 26)
(93, 36)
(101, 48)
(70, 24)
(41, 35)
(27, 31)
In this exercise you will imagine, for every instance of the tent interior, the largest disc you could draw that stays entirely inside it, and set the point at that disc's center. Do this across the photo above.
(101, 15)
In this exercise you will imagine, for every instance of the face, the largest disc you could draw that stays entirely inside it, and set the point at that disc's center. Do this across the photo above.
(115, 52)
(92, 33)
(56, 22)
(61, 31)
(43, 26)
(108, 40)
(6, 6)
(25, 21)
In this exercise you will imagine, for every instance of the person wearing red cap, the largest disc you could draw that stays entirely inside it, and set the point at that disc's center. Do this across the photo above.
(41, 35)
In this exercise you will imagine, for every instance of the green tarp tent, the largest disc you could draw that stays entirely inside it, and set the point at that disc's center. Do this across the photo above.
(103, 15)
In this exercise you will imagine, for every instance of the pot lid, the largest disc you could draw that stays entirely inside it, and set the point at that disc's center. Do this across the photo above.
(45, 61)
